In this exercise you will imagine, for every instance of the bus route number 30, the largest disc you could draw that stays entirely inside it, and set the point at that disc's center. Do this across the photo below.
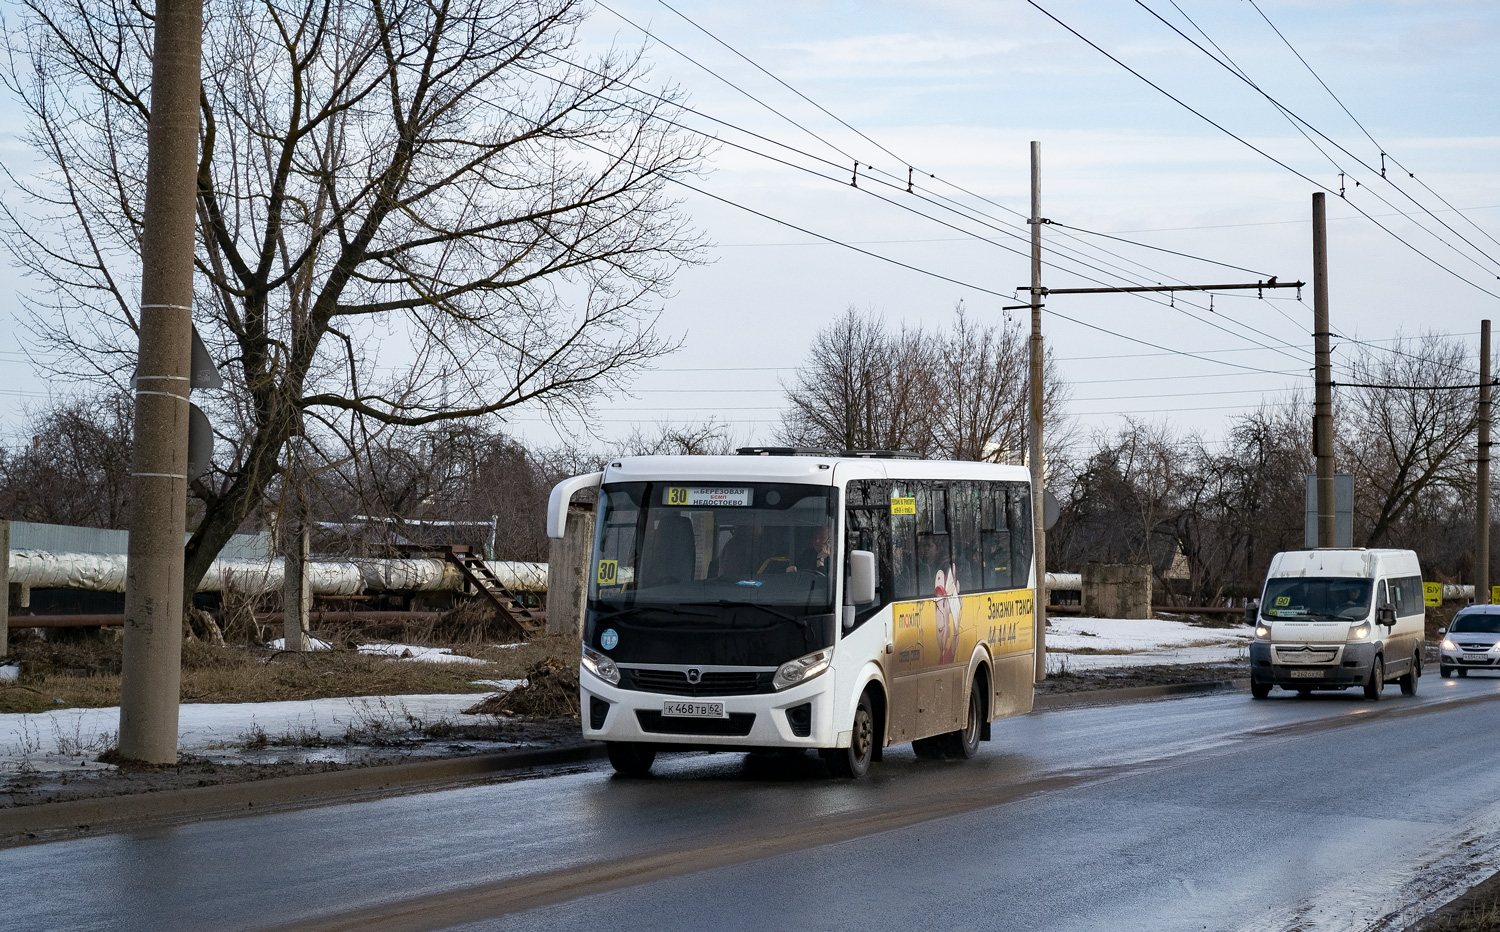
(609, 572)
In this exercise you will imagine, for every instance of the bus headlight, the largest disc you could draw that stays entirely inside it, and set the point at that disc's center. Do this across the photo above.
(1360, 631)
(1262, 630)
(600, 665)
(802, 669)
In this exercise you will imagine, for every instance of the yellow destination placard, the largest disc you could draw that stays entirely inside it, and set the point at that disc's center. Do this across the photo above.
(1495, 595)
(932, 633)
(904, 506)
(1432, 594)
(609, 572)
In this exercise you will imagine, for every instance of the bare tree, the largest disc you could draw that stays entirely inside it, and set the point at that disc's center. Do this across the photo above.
(863, 386)
(706, 438)
(76, 469)
(981, 394)
(1406, 427)
(410, 211)
(960, 394)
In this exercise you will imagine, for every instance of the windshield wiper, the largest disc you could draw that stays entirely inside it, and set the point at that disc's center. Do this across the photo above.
(726, 603)
(636, 609)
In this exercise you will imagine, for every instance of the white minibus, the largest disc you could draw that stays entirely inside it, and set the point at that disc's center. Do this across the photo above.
(1331, 619)
(787, 598)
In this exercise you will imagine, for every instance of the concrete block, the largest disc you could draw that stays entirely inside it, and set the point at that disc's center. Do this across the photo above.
(568, 568)
(1117, 590)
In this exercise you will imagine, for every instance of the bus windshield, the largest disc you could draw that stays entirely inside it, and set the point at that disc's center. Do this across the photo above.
(1316, 599)
(714, 544)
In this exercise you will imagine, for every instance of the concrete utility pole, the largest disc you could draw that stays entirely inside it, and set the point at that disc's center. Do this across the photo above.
(151, 675)
(1323, 390)
(1038, 465)
(1482, 512)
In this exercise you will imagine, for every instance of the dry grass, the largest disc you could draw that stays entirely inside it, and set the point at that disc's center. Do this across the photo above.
(1477, 910)
(86, 672)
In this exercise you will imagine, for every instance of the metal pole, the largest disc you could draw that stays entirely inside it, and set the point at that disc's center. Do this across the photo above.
(1482, 494)
(151, 673)
(1323, 391)
(4, 588)
(1038, 465)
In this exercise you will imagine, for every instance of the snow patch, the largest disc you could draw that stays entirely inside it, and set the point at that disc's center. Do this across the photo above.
(417, 653)
(1098, 643)
(312, 644)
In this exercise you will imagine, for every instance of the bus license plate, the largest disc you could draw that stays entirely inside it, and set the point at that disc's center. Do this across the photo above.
(1307, 674)
(694, 709)
(1476, 656)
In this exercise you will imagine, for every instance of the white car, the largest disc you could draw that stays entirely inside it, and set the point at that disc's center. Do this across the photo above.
(1471, 641)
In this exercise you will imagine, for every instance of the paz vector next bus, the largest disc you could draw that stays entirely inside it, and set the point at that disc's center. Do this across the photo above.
(798, 599)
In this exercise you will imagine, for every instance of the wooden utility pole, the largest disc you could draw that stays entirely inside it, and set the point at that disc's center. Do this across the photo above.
(151, 673)
(1038, 464)
(1323, 387)
(1482, 494)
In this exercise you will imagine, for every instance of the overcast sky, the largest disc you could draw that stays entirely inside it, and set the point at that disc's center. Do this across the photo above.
(957, 89)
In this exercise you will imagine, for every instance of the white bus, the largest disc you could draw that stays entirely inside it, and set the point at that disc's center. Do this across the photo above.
(796, 599)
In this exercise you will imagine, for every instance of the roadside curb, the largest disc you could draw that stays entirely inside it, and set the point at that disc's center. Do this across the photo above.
(1133, 694)
(23, 824)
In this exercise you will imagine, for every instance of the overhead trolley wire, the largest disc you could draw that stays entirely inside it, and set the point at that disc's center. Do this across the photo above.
(1281, 346)
(1252, 147)
(1373, 141)
(1298, 122)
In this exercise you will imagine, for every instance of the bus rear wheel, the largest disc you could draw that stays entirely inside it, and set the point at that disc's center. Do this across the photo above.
(630, 758)
(853, 762)
(964, 743)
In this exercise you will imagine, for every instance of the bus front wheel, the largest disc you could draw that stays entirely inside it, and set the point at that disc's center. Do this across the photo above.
(631, 758)
(854, 761)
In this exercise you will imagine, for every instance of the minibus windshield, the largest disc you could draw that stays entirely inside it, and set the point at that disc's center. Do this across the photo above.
(706, 545)
(1316, 598)
(1476, 623)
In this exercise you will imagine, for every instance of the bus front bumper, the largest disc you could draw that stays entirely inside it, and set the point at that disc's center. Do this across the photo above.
(1351, 668)
(762, 720)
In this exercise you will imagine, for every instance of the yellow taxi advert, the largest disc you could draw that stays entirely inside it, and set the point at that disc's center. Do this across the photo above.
(932, 633)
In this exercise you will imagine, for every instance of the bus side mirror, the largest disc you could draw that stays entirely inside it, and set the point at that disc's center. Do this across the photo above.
(861, 583)
(1386, 615)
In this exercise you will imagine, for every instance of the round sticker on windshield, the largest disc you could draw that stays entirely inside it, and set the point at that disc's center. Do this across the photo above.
(608, 639)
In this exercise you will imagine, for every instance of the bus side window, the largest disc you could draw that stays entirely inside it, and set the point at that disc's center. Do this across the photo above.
(994, 536)
(968, 556)
(1020, 533)
(934, 545)
(865, 528)
(1413, 591)
(904, 548)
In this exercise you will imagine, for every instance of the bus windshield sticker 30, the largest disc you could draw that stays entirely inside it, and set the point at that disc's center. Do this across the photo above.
(699, 496)
(935, 632)
(904, 506)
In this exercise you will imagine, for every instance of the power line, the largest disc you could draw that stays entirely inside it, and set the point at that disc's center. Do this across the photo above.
(1251, 146)
(1228, 64)
(1373, 141)
(965, 211)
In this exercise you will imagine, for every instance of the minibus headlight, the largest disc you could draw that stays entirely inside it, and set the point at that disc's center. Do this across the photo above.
(600, 665)
(1262, 630)
(1449, 645)
(802, 669)
(1360, 631)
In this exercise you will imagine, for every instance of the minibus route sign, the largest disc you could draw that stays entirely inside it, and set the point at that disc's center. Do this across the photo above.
(713, 497)
(904, 506)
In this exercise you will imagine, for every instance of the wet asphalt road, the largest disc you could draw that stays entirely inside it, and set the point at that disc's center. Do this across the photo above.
(1214, 812)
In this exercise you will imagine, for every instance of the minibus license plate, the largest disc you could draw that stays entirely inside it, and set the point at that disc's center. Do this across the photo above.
(1307, 674)
(694, 709)
(1475, 657)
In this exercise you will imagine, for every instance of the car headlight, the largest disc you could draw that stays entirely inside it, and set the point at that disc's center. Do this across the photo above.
(1360, 631)
(1262, 630)
(1449, 645)
(600, 665)
(802, 669)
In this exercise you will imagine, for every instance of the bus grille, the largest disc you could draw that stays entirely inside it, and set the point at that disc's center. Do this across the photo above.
(712, 682)
(737, 725)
